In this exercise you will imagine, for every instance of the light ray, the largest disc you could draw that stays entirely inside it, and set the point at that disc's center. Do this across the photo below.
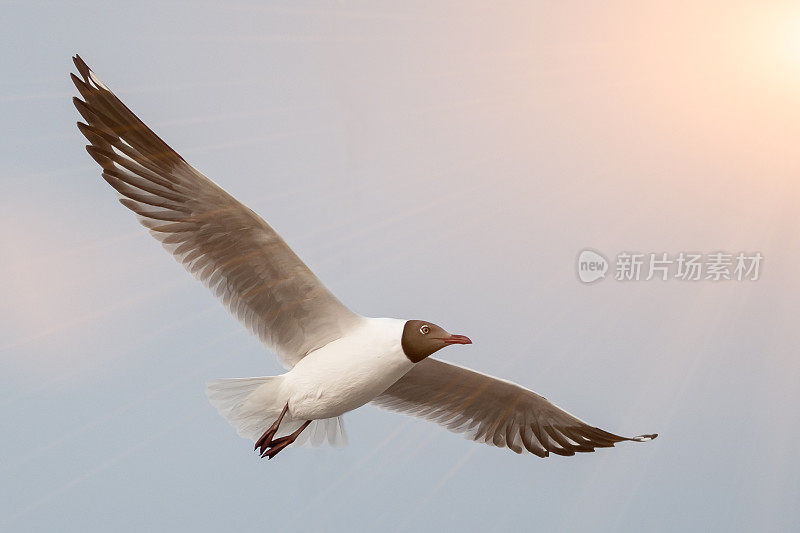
(94, 471)
(99, 313)
(139, 400)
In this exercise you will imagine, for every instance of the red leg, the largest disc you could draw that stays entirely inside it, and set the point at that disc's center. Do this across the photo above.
(281, 443)
(266, 439)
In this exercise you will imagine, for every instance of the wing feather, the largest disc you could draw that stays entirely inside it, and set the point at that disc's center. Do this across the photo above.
(237, 255)
(494, 411)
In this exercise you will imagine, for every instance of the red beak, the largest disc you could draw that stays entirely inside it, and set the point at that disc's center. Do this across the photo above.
(457, 339)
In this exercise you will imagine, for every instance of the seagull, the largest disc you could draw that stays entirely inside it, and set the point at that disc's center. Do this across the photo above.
(337, 360)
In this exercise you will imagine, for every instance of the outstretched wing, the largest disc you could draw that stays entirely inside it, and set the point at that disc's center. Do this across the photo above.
(220, 241)
(494, 411)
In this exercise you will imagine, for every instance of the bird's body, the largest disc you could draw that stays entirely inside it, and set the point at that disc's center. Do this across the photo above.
(338, 360)
(347, 373)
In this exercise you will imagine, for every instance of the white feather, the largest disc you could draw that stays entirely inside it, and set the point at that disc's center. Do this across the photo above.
(248, 404)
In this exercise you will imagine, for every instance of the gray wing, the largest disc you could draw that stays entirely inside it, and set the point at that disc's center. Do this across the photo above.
(220, 241)
(493, 411)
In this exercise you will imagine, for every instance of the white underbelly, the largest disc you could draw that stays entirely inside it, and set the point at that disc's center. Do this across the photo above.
(329, 383)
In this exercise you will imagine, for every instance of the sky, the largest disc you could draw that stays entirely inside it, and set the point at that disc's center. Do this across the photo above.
(446, 161)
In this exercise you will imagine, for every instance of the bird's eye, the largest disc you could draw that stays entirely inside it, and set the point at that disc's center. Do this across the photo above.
(425, 329)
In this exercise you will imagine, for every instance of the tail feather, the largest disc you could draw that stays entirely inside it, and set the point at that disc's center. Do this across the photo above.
(227, 394)
(320, 432)
(251, 405)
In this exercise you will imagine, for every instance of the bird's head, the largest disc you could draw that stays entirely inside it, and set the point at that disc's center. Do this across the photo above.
(421, 339)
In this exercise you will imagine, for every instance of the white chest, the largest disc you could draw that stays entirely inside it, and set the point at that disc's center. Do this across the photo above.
(348, 372)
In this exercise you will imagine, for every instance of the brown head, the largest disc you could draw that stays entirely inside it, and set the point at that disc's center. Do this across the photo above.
(421, 339)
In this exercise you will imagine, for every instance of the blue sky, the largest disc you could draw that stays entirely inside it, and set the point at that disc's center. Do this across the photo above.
(445, 162)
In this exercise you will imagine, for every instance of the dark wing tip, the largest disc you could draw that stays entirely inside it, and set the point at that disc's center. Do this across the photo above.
(82, 67)
(83, 108)
(644, 438)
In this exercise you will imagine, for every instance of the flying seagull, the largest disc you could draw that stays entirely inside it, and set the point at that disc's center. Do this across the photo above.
(337, 360)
